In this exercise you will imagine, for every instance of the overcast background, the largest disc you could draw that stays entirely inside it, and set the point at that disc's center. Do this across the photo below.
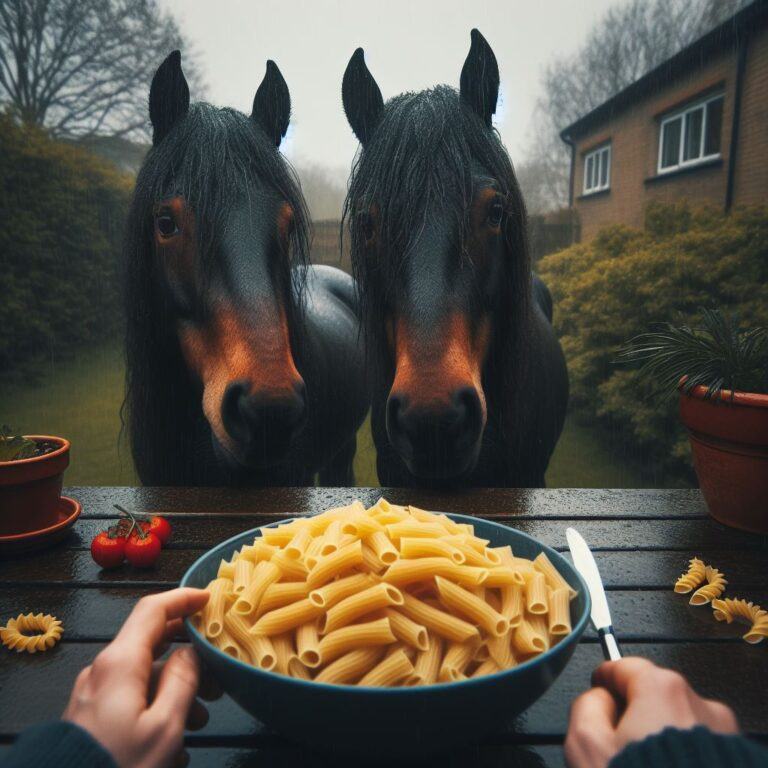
(409, 45)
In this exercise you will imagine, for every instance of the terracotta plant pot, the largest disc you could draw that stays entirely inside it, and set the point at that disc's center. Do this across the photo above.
(729, 439)
(30, 489)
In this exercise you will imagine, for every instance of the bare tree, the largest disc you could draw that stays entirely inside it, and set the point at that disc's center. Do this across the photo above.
(631, 39)
(83, 67)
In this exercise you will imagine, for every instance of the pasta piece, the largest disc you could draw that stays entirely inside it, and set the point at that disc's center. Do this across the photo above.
(500, 650)
(512, 604)
(279, 536)
(559, 612)
(505, 555)
(357, 605)
(536, 600)
(441, 623)
(262, 652)
(290, 568)
(299, 543)
(471, 554)
(226, 570)
(427, 664)
(308, 644)
(525, 639)
(330, 594)
(264, 574)
(453, 596)
(243, 573)
(385, 550)
(407, 630)
(423, 547)
(504, 576)
(336, 563)
(331, 539)
(297, 669)
(482, 653)
(258, 551)
(555, 579)
(284, 652)
(412, 528)
(288, 617)
(695, 575)
(350, 667)
(730, 609)
(361, 525)
(341, 641)
(31, 633)
(213, 612)
(371, 561)
(403, 572)
(390, 671)
(540, 626)
(457, 657)
(713, 588)
(488, 667)
(284, 593)
(227, 644)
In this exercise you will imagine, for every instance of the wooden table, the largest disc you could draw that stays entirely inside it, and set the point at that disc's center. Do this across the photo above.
(642, 541)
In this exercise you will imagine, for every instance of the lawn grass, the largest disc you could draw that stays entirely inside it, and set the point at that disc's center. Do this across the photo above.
(80, 400)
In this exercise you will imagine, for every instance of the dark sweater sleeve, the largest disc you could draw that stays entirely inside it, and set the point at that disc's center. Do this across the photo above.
(697, 748)
(57, 744)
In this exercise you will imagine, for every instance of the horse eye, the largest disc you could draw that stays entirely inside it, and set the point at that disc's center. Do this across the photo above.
(166, 225)
(495, 214)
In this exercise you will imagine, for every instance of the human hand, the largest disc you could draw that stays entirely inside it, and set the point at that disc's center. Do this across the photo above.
(632, 699)
(132, 705)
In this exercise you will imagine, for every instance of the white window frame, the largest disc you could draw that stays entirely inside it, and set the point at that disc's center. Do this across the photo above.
(683, 114)
(600, 155)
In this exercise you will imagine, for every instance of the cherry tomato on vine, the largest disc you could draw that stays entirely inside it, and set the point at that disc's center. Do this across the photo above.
(108, 550)
(142, 550)
(160, 527)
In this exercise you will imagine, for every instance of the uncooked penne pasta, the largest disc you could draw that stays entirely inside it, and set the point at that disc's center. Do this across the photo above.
(213, 613)
(559, 612)
(388, 596)
(465, 603)
(389, 671)
(357, 605)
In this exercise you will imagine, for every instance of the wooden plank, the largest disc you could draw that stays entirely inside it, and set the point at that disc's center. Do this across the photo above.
(96, 614)
(191, 531)
(744, 569)
(485, 502)
(37, 688)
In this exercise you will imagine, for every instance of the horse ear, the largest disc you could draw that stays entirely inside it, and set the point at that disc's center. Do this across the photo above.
(168, 97)
(361, 97)
(272, 104)
(479, 84)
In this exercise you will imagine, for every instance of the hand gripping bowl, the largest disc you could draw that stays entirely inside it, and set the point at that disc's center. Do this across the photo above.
(402, 721)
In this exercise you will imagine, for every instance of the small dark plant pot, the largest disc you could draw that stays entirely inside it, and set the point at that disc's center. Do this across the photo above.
(729, 439)
(30, 489)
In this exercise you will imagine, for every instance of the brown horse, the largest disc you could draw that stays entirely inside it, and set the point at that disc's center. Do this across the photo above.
(244, 364)
(469, 381)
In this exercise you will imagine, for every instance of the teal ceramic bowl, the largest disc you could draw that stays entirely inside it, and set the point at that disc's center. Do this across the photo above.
(391, 720)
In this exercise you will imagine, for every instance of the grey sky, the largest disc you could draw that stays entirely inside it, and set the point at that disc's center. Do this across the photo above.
(409, 45)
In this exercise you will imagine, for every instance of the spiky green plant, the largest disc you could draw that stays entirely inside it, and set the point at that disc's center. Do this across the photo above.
(715, 353)
(14, 446)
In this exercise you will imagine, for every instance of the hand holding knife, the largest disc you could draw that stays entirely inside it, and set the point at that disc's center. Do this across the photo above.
(584, 562)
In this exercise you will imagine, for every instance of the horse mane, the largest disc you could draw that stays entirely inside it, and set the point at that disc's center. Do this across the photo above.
(208, 157)
(425, 151)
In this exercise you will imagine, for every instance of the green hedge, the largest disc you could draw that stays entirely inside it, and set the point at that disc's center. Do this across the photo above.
(61, 218)
(625, 280)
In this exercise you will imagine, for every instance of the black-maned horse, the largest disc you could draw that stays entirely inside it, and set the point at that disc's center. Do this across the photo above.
(244, 365)
(469, 381)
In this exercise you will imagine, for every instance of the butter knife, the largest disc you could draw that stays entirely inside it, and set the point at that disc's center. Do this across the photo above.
(585, 564)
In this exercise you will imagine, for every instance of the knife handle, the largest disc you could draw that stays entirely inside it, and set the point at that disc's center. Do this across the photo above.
(609, 644)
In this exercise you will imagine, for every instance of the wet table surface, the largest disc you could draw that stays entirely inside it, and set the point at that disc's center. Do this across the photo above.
(642, 541)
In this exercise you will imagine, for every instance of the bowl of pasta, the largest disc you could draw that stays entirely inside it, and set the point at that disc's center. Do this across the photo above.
(384, 625)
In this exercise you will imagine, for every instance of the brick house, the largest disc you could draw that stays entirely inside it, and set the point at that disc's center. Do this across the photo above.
(696, 127)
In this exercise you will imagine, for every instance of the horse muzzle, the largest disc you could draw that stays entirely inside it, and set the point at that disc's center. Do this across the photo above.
(437, 442)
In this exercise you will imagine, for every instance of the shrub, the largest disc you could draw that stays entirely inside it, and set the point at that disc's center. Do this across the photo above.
(623, 283)
(61, 221)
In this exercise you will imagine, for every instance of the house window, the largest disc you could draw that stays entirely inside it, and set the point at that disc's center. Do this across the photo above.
(597, 170)
(691, 135)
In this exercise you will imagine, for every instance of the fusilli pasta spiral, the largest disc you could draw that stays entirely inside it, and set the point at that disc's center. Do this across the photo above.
(712, 589)
(695, 575)
(729, 609)
(16, 633)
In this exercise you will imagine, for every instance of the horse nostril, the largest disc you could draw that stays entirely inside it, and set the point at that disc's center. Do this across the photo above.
(235, 421)
(469, 412)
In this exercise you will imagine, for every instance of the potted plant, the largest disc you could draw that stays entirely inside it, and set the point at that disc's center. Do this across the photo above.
(721, 373)
(31, 473)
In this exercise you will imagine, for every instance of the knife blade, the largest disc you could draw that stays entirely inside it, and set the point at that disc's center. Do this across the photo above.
(585, 564)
